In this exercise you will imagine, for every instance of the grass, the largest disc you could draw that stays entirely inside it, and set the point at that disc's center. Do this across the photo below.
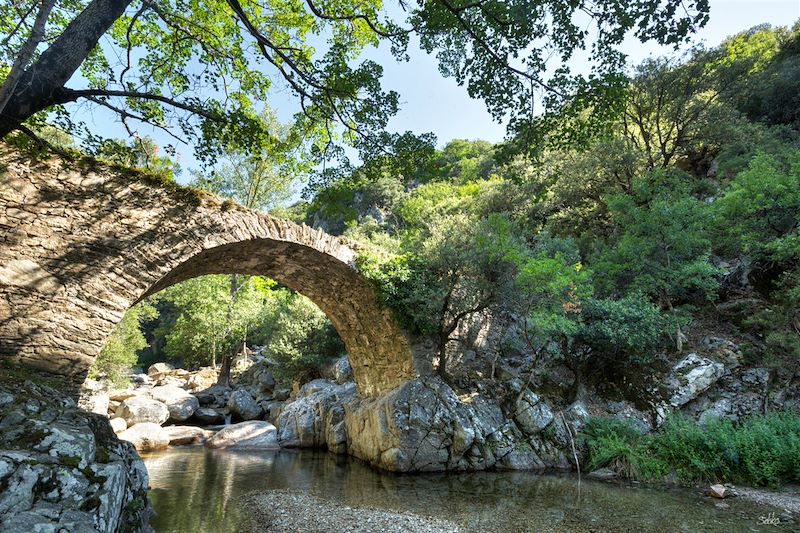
(761, 450)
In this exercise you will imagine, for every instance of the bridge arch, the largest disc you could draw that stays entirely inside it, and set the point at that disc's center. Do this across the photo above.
(81, 242)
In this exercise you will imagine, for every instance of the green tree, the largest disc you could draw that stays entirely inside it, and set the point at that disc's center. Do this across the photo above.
(205, 68)
(303, 339)
(759, 212)
(209, 327)
(661, 247)
(758, 216)
(119, 354)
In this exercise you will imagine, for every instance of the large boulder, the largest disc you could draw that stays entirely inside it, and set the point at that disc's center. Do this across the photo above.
(202, 379)
(146, 437)
(95, 403)
(251, 434)
(183, 435)
(138, 409)
(316, 418)
(118, 425)
(120, 395)
(63, 469)
(242, 405)
(181, 404)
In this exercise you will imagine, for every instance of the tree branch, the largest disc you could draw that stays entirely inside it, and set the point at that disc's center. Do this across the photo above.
(25, 54)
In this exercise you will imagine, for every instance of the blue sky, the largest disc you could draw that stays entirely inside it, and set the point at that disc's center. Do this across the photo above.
(433, 103)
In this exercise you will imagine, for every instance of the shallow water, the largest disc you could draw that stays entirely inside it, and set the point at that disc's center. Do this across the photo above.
(195, 489)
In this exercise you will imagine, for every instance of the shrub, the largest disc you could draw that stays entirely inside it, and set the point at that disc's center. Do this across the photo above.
(761, 450)
(617, 445)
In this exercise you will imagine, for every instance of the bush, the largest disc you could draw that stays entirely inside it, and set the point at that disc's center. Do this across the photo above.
(617, 445)
(762, 450)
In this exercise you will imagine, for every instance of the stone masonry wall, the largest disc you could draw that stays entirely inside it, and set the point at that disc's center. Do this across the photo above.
(81, 242)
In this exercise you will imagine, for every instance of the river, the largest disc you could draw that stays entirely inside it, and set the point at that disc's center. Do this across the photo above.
(194, 489)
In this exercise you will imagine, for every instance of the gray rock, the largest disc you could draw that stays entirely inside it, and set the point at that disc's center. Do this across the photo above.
(315, 418)
(242, 405)
(181, 404)
(159, 368)
(183, 435)
(281, 395)
(137, 409)
(97, 402)
(251, 434)
(266, 381)
(215, 396)
(146, 436)
(424, 426)
(532, 414)
(692, 376)
(56, 459)
(118, 425)
(208, 416)
(341, 371)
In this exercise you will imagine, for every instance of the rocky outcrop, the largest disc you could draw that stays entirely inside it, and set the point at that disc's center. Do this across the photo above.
(315, 419)
(63, 469)
(424, 426)
(691, 376)
(532, 414)
(252, 434)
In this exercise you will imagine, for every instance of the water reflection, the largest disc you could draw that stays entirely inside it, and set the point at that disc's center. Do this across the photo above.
(196, 489)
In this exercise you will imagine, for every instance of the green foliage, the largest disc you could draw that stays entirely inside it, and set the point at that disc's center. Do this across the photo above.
(140, 153)
(302, 340)
(207, 325)
(761, 450)
(661, 247)
(759, 213)
(207, 68)
(624, 331)
(264, 180)
(617, 445)
(119, 354)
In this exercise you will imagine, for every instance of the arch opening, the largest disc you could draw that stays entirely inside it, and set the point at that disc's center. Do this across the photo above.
(378, 350)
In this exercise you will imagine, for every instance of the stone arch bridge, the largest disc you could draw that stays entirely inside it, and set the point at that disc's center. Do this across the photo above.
(81, 242)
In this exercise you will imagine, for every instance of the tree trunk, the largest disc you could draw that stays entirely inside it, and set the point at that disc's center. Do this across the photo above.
(224, 378)
(25, 53)
(42, 84)
(225, 373)
(442, 347)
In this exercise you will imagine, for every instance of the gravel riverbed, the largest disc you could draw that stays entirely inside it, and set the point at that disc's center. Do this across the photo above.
(291, 511)
(787, 498)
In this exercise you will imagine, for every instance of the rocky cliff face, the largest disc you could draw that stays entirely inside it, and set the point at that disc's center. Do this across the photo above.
(63, 469)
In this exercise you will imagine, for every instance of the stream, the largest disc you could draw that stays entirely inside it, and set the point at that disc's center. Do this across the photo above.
(195, 489)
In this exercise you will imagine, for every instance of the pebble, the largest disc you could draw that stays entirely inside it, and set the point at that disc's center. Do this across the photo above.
(285, 511)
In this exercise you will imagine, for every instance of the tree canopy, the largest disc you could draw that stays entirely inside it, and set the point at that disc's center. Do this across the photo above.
(203, 70)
